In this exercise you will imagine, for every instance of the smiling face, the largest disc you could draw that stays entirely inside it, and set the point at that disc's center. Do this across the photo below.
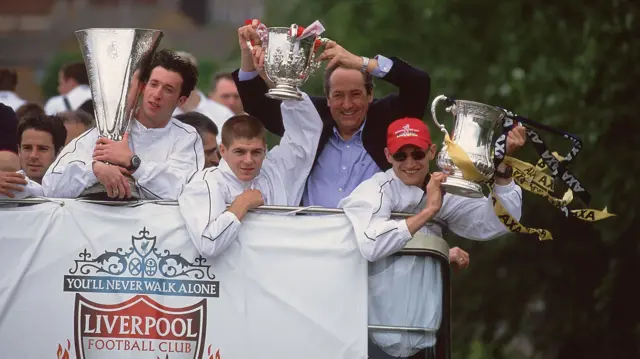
(161, 96)
(37, 153)
(244, 157)
(411, 163)
(348, 99)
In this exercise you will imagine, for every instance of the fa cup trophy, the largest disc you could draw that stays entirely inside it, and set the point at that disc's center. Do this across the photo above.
(473, 133)
(115, 59)
(289, 57)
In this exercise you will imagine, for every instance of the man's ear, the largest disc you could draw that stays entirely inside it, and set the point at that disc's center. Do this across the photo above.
(182, 100)
(432, 152)
(222, 148)
(388, 155)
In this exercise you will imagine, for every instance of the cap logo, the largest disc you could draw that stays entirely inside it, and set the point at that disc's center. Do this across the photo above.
(407, 131)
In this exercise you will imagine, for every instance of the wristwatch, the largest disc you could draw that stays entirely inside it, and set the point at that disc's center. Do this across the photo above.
(135, 163)
(365, 64)
(507, 173)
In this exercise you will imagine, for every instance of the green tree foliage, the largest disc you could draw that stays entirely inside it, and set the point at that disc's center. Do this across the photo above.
(571, 65)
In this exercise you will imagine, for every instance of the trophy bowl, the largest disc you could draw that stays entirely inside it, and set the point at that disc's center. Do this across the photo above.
(474, 125)
(289, 61)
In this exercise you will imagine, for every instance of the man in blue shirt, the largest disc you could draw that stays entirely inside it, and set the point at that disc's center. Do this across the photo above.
(351, 148)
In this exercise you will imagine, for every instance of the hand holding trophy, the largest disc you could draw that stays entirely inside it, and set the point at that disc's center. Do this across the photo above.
(289, 55)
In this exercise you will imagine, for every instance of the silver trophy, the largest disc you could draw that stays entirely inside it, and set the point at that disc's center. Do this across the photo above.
(115, 59)
(288, 61)
(473, 132)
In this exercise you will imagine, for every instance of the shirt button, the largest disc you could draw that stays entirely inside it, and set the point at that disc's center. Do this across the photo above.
(344, 167)
(348, 146)
(339, 189)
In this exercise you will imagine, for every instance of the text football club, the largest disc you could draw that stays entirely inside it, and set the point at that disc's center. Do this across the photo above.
(140, 323)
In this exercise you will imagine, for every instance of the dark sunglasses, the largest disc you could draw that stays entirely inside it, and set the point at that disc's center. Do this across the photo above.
(402, 156)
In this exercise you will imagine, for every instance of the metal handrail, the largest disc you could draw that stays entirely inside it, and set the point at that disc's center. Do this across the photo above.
(308, 209)
(393, 328)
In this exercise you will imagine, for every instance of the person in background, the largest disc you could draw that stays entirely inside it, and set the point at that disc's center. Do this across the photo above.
(76, 123)
(40, 140)
(73, 87)
(30, 109)
(207, 131)
(198, 102)
(9, 160)
(8, 84)
(225, 92)
(87, 107)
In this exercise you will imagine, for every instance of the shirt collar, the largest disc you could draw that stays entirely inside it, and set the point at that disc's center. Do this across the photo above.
(357, 135)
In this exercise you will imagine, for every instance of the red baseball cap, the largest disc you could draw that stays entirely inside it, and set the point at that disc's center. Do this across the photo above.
(408, 131)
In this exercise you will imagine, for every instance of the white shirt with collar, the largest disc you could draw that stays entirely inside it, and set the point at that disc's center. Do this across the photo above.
(31, 189)
(11, 99)
(204, 201)
(407, 290)
(76, 97)
(169, 157)
(218, 113)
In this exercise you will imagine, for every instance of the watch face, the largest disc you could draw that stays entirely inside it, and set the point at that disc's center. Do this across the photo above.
(135, 161)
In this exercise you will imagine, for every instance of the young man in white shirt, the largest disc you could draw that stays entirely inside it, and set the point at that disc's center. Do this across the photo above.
(407, 290)
(159, 152)
(73, 87)
(8, 84)
(248, 176)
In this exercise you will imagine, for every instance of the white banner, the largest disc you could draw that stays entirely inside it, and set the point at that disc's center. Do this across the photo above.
(82, 280)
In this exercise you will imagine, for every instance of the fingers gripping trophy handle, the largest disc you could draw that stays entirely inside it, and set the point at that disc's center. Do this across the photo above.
(262, 32)
(434, 106)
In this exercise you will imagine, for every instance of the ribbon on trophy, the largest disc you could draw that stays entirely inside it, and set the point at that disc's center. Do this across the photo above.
(532, 178)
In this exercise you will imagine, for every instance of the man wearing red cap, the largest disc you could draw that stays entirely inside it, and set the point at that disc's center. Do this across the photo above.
(406, 291)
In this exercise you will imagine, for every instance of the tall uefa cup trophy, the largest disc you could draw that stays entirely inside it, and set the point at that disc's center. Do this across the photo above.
(289, 60)
(473, 132)
(115, 58)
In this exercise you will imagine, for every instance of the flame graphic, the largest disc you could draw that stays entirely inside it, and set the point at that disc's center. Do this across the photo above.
(63, 353)
(217, 356)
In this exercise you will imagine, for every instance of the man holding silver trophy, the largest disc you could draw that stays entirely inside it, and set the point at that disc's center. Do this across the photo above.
(351, 148)
(134, 152)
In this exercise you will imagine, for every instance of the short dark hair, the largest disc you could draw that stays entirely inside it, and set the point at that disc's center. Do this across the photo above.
(51, 124)
(219, 76)
(242, 126)
(87, 107)
(8, 79)
(29, 109)
(368, 81)
(76, 71)
(173, 62)
(198, 121)
(78, 116)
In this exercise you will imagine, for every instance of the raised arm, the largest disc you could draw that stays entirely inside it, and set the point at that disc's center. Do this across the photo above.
(296, 152)
(72, 171)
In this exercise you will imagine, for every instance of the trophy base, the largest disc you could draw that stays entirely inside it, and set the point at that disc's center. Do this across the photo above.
(284, 92)
(462, 187)
(98, 192)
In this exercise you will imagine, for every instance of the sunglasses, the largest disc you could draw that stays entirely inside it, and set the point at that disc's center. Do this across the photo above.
(402, 156)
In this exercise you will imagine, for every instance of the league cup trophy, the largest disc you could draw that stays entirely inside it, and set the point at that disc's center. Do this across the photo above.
(290, 57)
(473, 132)
(115, 59)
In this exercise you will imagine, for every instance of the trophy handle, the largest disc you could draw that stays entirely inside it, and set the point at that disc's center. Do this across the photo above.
(434, 105)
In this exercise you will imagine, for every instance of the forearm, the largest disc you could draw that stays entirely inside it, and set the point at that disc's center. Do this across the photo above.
(414, 223)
